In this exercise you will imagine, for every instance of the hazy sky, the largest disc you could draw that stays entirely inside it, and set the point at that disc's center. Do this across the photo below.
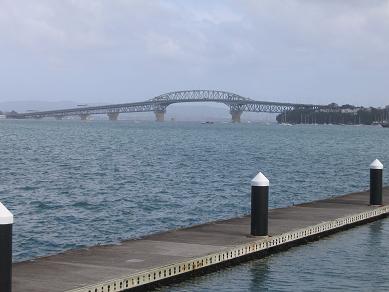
(128, 50)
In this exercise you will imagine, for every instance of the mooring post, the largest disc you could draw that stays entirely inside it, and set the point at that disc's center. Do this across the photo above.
(376, 170)
(259, 205)
(6, 222)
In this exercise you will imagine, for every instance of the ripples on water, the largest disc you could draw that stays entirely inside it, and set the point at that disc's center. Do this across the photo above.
(72, 184)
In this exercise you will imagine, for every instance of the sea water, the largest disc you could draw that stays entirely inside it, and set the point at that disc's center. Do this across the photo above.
(72, 184)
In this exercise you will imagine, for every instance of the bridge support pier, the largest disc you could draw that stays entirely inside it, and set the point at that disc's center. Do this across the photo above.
(84, 117)
(113, 116)
(235, 116)
(159, 116)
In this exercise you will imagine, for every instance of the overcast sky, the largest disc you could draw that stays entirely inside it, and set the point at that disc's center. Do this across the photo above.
(130, 50)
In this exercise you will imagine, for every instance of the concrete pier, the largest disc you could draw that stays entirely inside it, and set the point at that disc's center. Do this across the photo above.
(159, 116)
(235, 116)
(113, 116)
(178, 254)
(84, 117)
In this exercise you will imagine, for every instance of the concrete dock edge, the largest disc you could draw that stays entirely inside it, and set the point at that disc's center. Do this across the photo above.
(259, 247)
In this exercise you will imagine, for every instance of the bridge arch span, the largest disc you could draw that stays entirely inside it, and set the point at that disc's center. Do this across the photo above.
(232, 100)
(200, 95)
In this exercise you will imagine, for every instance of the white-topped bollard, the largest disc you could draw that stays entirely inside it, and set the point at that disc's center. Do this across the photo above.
(259, 205)
(376, 170)
(6, 222)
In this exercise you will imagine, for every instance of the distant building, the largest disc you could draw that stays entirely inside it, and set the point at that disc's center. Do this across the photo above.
(329, 110)
(349, 110)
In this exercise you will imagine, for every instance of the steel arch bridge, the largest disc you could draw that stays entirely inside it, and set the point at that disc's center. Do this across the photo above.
(236, 103)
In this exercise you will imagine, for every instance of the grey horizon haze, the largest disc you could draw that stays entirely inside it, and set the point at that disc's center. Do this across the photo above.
(123, 51)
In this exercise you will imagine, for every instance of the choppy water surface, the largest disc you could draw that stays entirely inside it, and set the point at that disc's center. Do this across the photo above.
(72, 184)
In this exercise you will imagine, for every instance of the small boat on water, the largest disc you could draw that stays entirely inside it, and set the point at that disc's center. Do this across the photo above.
(207, 122)
(385, 124)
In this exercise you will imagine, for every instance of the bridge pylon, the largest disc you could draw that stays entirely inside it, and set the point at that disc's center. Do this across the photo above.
(159, 116)
(113, 116)
(84, 117)
(235, 115)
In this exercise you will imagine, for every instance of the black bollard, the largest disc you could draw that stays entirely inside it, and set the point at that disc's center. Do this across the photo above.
(259, 205)
(376, 169)
(6, 221)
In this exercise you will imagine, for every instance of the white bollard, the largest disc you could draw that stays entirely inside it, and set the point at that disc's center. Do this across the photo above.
(376, 170)
(259, 205)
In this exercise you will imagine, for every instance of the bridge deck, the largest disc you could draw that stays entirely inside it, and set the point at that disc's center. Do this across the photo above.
(168, 254)
(160, 103)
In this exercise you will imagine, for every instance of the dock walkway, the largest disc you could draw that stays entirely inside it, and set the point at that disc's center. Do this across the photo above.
(166, 256)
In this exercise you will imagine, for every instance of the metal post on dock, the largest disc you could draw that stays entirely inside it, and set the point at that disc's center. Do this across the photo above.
(259, 205)
(6, 222)
(376, 170)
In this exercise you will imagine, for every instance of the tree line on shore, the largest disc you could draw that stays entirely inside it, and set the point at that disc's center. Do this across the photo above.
(334, 114)
(7, 113)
